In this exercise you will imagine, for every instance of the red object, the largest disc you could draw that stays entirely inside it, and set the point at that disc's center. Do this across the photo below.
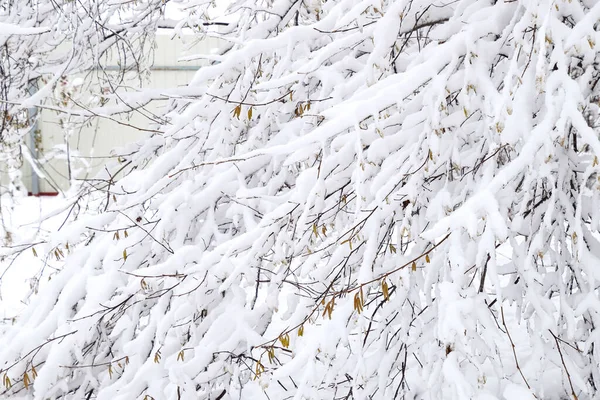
(43, 194)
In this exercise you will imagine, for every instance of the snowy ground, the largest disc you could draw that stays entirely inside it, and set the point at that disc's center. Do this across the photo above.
(20, 268)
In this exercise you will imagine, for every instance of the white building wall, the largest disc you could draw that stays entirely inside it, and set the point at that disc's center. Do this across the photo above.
(94, 144)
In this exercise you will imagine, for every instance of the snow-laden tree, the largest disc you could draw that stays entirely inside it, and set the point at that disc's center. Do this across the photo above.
(43, 44)
(359, 200)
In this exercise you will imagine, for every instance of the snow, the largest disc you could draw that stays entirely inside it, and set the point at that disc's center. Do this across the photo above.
(21, 269)
(513, 391)
(11, 29)
(384, 199)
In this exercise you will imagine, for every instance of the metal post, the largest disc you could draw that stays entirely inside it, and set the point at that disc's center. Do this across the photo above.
(33, 124)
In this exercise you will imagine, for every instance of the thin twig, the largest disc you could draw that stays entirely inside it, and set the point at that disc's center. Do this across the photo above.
(514, 352)
(564, 365)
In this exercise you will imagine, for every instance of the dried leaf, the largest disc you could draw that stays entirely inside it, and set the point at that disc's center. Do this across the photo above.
(301, 330)
(414, 266)
(285, 340)
(124, 254)
(271, 354)
(392, 248)
(259, 370)
(34, 252)
(329, 308)
(250, 113)
(180, 356)
(26, 380)
(448, 349)
(427, 259)
(237, 111)
(385, 290)
(358, 306)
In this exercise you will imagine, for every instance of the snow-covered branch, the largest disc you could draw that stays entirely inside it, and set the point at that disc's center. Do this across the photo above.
(391, 199)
